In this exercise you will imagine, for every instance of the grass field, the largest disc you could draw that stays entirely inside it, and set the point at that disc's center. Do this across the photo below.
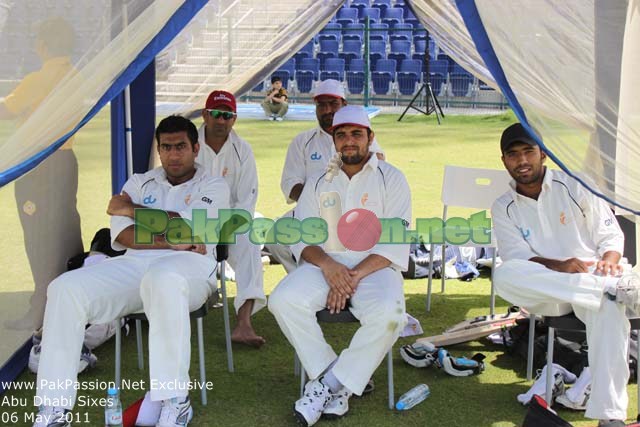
(263, 388)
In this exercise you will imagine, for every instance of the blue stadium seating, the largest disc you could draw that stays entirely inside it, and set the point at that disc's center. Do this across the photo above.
(333, 69)
(400, 50)
(439, 66)
(436, 80)
(351, 49)
(305, 52)
(460, 83)
(356, 65)
(355, 81)
(383, 76)
(347, 15)
(333, 28)
(304, 80)
(379, 32)
(372, 12)
(401, 32)
(289, 66)
(407, 82)
(309, 64)
(381, 4)
(377, 50)
(360, 4)
(392, 16)
(353, 32)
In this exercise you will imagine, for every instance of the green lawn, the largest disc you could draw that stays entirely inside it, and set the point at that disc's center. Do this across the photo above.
(263, 388)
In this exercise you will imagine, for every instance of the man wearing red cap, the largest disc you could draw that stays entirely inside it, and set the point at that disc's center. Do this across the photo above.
(223, 153)
(369, 280)
(309, 153)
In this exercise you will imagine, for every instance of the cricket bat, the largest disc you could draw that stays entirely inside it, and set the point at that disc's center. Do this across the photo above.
(475, 328)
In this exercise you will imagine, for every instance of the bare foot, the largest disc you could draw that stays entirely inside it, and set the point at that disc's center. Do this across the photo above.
(246, 335)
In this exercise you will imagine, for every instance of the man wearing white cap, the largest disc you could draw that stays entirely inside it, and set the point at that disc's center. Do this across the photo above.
(369, 280)
(309, 153)
(223, 153)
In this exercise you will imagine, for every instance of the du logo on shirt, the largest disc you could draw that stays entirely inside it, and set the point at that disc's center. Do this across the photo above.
(149, 200)
(316, 156)
(525, 233)
(328, 202)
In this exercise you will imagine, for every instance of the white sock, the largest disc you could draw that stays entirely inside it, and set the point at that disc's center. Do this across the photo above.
(332, 382)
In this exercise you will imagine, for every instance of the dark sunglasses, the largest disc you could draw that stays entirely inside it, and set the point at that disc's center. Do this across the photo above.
(216, 114)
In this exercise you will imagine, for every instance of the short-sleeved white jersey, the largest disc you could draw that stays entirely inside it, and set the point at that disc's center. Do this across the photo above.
(566, 221)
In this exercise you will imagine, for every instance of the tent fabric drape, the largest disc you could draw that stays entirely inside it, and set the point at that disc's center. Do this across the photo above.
(568, 66)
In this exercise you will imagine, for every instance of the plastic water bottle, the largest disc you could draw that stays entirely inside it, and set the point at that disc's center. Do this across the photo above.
(413, 397)
(113, 409)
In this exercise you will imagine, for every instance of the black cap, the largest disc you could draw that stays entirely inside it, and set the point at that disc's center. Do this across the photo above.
(515, 133)
(275, 79)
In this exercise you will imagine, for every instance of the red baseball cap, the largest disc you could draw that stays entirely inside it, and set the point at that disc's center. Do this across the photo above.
(219, 98)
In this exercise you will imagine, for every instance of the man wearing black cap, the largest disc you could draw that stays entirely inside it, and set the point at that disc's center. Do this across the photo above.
(562, 244)
(275, 104)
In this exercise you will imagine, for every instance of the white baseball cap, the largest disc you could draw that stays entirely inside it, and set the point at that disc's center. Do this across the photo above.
(330, 87)
(353, 115)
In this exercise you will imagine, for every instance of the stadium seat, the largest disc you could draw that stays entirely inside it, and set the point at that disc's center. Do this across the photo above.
(392, 16)
(418, 57)
(400, 50)
(353, 32)
(401, 32)
(411, 65)
(460, 83)
(304, 80)
(407, 82)
(355, 82)
(360, 4)
(458, 69)
(379, 31)
(440, 66)
(420, 46)
(372, 12)
(381, 4)
(347, 15)
(437, 80)
(377, 50)
(383, 76)
(290, 66)
(352, 46)
(309, 64)
(332, 28)
(305, 52)
(356, 65)
(328, 49)
(409, 17)
(333, 69)
(387, 65)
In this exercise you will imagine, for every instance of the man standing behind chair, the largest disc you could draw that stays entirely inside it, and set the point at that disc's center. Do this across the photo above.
(164, 279)
(276, 103)
(370, 279)
(562, 244)
(308, 155)
(223, 153)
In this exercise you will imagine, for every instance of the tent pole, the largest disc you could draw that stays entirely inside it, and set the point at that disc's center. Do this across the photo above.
(127, 107)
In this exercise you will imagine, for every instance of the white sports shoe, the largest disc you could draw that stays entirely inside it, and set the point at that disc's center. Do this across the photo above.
(539, 387)
(176, 412)
(577, 396)
(87, 359)
(278, 119)
(338, 405)
(50, 416)
(309, 408)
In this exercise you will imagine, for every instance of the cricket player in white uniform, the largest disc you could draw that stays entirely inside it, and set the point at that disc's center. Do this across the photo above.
(223, 153)
(370, 280)
(562, 244)
(165, 280)
(309, 153)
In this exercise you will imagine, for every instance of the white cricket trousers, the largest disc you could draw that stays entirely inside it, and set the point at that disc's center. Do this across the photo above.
(166, 286)
(526, 283)
(378, 303)
(246, 261)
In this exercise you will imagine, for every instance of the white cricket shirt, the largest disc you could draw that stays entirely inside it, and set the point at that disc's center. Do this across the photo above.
(152, 190)
(379, 188)
(566, 221)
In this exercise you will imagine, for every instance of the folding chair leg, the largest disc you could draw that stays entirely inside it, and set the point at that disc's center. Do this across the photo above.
(139, 344)
(303, 378)
(492, 304)
(203, 375)
(443, 263)
(225, 312)
(296, 364)
(429, 282)
(390, 378)
(532, 333)
(549, 392)
(118, 353)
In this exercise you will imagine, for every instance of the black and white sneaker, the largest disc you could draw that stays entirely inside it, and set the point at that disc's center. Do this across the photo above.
(176, 412)
(51, 416)
(627, 292)
(309, 408)
(338, 405)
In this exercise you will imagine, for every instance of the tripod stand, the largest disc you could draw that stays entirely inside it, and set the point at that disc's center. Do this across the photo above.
(431, 105)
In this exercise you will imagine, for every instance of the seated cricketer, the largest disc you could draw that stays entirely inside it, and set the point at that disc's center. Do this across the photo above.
(367, 280)
(165, 280)
(562, 244)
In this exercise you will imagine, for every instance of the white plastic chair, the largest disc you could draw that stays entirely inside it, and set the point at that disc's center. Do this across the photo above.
(469, 188)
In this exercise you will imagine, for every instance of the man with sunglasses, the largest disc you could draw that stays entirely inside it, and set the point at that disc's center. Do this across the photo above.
(223, 153)
(165, 278)
(309, 153)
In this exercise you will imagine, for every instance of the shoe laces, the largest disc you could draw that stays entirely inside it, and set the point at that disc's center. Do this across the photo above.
(171, 410)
